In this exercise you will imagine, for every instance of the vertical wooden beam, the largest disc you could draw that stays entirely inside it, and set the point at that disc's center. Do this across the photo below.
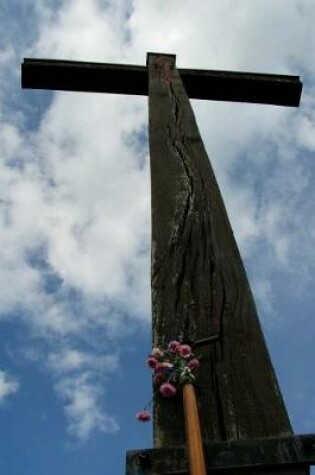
(199, 284)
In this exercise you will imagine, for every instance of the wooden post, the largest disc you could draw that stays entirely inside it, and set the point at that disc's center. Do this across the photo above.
(199, 284)
(196, 457)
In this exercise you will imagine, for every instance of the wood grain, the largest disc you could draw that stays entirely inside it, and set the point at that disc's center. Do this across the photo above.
(199, 284)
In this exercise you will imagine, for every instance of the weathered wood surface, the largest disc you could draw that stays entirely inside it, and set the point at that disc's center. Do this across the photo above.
(199, 285)
(130, 79)
(288, 455)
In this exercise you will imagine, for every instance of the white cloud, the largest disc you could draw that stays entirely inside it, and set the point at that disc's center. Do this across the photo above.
(83, 407)
(8, 386)
(98, 26)
(69, 360)
(81, 390)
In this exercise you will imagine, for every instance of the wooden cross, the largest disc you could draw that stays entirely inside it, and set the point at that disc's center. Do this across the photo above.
(199, 284)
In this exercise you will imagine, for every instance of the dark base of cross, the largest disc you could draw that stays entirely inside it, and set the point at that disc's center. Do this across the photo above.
(199, 284)
(287, 455)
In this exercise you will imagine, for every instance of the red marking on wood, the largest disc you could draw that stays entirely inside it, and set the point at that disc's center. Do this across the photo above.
(165, 67)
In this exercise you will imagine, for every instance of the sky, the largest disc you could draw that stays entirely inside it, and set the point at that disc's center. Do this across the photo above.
(75, 217)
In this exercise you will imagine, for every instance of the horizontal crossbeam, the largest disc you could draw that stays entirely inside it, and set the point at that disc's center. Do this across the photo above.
(129, 79)
(261, 455)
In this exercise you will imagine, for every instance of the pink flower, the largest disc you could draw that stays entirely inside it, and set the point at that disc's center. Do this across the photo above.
(194, 363)
(159, 367)
(167, 390)
(166, 364)
(143, 416)
(184, 351)
(162, 367)
(173, 345)
(157, 352)
(152, 362)
(158, 378)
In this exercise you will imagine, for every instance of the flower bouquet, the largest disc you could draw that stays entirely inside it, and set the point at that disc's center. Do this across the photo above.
(172, 367)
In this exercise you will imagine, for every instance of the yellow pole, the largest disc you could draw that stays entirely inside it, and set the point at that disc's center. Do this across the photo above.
(196, 459)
